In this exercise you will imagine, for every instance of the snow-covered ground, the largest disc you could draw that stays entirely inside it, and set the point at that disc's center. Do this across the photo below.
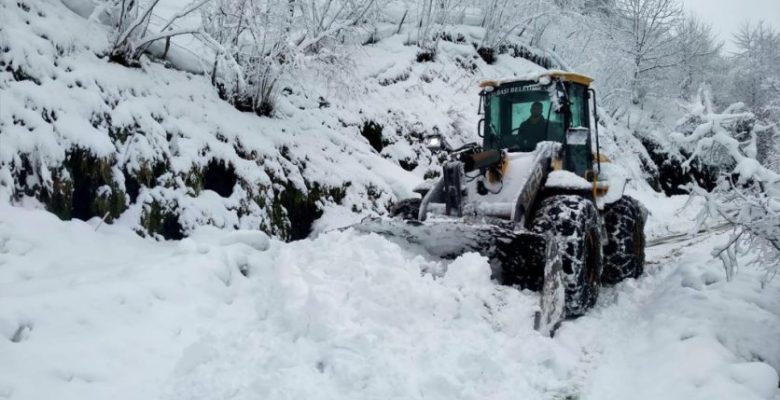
(91, 311)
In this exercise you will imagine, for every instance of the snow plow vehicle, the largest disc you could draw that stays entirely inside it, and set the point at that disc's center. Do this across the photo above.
(536, 197)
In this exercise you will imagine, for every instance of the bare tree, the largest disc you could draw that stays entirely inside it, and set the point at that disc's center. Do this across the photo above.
(755, 81)
(698, 54)
(755, 74)
(433, 16)
(502, 18)
(644, 32)
(324, 18)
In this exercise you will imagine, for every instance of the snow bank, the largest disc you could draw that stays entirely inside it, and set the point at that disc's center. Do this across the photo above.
(351, 316)
(683, 332)
(673, 215)
(93, 314)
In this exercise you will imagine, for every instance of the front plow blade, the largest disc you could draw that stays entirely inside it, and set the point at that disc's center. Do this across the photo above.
(518, 258)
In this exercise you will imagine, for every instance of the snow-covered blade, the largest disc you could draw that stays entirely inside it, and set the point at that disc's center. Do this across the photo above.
(517, 258)
(509, 198)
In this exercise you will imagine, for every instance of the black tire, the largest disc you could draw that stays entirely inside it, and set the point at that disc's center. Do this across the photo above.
(624, 251)
(406, 209)
(574, 222)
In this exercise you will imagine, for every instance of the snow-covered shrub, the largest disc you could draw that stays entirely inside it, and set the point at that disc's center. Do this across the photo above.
(254, 50)
(697, 129)
(432, 19)
(752, 207)
(260, 41)
(670, 171)
(503, 20)
(130, 20)
(747, 195)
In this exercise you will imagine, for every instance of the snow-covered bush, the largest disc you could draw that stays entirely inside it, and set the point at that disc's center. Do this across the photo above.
(130, 20)
(747, 195)
(261, 40)
(253, 36)
(503, 20)
(753, 209)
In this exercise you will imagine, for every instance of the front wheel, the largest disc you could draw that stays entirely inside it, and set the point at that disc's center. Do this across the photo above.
(573, 222)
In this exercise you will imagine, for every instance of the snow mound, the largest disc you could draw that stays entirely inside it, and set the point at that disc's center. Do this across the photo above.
(688, 319)
(91, 312)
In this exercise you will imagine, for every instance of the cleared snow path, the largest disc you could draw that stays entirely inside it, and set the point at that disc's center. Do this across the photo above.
(680, 332)
(106, 314)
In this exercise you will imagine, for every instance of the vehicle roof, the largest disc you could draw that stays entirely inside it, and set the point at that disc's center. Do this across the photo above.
(555, 74)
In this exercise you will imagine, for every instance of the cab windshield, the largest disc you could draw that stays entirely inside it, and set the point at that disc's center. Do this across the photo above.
(520, 116)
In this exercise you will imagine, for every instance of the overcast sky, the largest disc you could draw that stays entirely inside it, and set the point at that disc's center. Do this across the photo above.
(726, 15)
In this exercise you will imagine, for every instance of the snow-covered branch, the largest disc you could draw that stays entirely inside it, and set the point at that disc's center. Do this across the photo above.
(748, 193)
(131, 36)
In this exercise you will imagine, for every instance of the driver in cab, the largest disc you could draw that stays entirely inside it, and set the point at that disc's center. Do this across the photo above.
(534, 129)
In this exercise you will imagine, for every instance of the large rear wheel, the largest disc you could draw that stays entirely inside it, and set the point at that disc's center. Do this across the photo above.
(624, 252)
(573, 222)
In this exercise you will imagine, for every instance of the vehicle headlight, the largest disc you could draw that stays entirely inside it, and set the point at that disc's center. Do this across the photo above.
(433, 142)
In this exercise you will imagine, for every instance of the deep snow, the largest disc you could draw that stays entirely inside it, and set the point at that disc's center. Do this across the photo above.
(92, 312)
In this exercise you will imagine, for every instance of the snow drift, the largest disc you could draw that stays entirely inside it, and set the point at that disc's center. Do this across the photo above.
(88, 314)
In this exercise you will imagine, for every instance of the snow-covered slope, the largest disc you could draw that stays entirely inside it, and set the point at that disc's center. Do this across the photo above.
(90, 312)
(90, 138)
(157, 150)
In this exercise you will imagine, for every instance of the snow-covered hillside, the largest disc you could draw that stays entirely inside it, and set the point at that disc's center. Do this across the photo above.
(156, 149)
(90, 312)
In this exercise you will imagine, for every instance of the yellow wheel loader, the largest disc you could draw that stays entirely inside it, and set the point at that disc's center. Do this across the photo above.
(537, 197)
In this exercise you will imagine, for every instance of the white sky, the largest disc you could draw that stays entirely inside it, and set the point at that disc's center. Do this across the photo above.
(726, 15)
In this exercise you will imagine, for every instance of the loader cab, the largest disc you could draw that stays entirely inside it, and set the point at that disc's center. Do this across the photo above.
(518, 114)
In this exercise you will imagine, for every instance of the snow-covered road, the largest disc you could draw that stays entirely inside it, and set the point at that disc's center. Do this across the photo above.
(88, 314)
(680, 332)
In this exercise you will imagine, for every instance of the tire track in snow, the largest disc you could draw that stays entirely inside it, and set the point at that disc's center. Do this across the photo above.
(679, 331)
(614, 320)
(685, 237)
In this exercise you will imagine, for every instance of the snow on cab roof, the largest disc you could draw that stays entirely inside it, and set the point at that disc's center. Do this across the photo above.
(564, 75)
